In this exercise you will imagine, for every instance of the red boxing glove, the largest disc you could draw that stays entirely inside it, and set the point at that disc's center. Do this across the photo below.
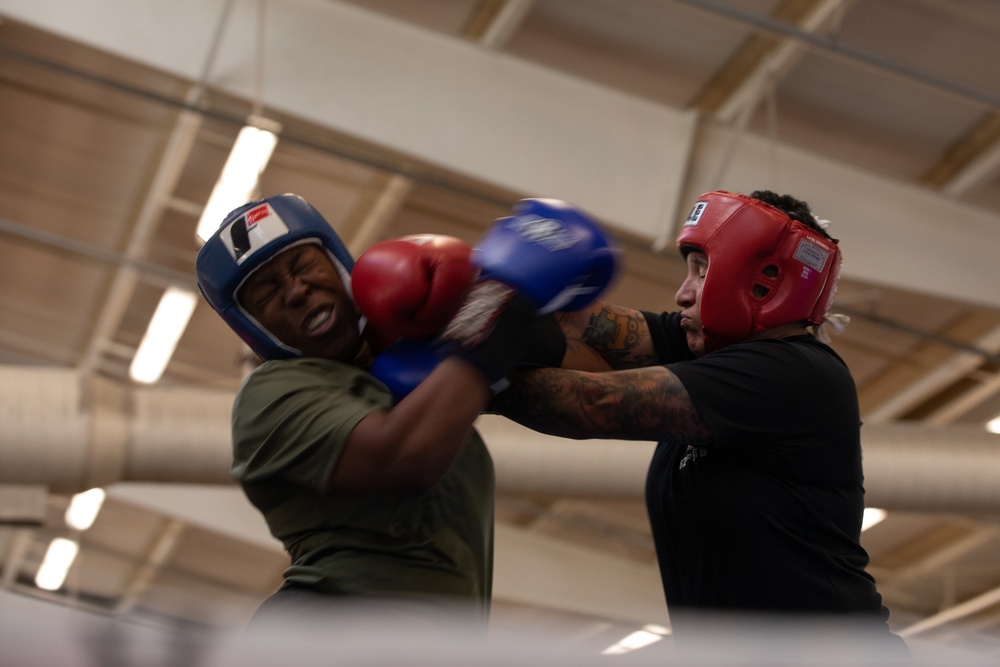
(411, 287)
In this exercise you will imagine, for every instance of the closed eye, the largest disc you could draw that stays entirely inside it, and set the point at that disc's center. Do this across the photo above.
(301, 262)
(263, 294)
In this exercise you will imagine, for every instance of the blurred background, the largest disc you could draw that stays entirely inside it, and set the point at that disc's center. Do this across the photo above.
(117, 122)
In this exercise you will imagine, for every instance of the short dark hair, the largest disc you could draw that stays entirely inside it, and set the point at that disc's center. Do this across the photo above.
(795, 208)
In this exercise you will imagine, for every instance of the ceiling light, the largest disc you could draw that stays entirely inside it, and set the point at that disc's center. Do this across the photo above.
(165, 329)
(238, 180)
(993, 425)
(83, 509)
(873, 515)
(649, 634)
(55, 566)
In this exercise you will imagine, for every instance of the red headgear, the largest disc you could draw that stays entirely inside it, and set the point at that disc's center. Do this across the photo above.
(765, 269)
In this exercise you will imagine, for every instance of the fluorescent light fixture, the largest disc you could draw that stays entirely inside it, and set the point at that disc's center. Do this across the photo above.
(246, 162)
(165, 329)
(649, 634)
(873, 515)
(993, 425)
(83, 509)
(55, 566)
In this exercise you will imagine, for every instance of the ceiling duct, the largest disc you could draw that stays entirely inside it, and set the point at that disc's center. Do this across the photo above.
(72, 432)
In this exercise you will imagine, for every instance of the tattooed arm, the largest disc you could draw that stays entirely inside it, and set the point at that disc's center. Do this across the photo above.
(617, 334)
(640, 404)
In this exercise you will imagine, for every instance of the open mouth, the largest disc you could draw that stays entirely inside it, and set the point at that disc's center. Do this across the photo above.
(319, 321)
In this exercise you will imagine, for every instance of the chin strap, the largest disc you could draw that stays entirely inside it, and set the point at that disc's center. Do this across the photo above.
(833, 325)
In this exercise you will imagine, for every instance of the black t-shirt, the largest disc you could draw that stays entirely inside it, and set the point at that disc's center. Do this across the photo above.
(767, 517)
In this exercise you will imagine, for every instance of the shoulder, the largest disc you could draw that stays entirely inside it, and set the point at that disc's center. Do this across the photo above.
(770, 360)
(803, 347)
(274, 379)
(298, 370)
(291, 399)
(770, 381)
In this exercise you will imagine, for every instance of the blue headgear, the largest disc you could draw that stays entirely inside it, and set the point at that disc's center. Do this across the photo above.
(249, 237)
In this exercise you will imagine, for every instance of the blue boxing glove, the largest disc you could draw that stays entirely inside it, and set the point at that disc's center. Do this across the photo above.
(555, 255)
(548, 256)
(405, 364)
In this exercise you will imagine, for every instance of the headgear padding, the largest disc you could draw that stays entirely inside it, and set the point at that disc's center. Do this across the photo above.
(764, 268)
(250, 236)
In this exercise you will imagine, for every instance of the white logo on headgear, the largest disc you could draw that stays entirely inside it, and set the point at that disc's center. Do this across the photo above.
(695, 215)
(811, 254)
(252, 231)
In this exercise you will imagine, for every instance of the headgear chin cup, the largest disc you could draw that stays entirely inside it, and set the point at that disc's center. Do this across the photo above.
(250, 236)
(764, 268)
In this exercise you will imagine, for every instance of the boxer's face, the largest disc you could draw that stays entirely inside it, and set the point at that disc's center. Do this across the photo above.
(689, 299)
(298, 297)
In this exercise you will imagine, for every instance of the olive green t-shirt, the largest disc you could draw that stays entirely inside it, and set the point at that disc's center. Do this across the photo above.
(291, 419)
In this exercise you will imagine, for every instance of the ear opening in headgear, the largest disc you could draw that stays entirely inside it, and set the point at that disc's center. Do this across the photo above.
(759, 289)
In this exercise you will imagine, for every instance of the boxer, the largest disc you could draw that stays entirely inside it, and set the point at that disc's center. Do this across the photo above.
(755, 491)
(379, 496)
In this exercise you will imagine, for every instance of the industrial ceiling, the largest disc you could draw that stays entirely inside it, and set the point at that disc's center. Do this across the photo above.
(403, 116)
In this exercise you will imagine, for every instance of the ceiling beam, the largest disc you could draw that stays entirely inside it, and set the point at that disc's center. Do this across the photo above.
(970, 161)
(834, 48)
(494, 21)
(379, 205)
(967, 541)
(762, 60)
(18, 547)
(909, 385)
(513, 125)
(439, 99)
(164, 544)
(168, 171)
(952, 614)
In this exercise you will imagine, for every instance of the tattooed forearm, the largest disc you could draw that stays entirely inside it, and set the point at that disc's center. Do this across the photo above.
(619, 335)
(642, 404)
